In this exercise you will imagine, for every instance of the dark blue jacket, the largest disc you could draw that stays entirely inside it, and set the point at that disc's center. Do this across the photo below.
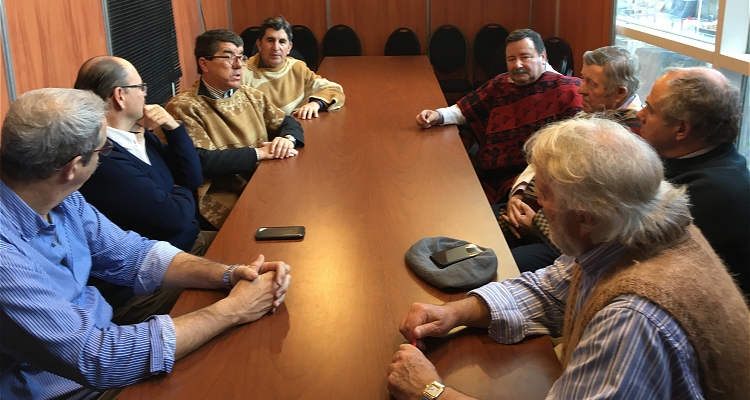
(718, 183)
(157, 201)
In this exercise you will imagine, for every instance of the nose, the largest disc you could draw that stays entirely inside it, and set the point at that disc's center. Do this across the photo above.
(641, 115)
(582, 88)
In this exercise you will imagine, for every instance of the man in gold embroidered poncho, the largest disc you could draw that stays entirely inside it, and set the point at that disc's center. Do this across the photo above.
(232, 126)
(288, 82)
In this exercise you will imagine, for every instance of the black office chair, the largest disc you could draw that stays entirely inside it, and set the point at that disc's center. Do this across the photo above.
(487, 41)
(498, 65)
(249, 36)
(559, 55)
(448, 51)
(341, 40)
(402, 42)
(305, 42)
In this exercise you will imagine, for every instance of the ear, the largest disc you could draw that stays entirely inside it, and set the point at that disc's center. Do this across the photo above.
(118, 98)
(544, 55)
(683, 130)
(203, 64)
(585, 222)
(68, 171)
(622, 93)
(257, 43)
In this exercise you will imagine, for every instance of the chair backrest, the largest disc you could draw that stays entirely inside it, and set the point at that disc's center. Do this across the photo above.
(305, 42)
(498, 65)
(249, 36)
(402, 42)
(341, 40)
(448, 48)
(487, 41)
(559, 55)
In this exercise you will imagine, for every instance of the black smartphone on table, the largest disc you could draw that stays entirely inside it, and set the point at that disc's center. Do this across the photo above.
(451, 256)
(280, 233)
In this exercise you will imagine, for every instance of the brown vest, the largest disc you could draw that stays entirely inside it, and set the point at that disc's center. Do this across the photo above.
(690, 283)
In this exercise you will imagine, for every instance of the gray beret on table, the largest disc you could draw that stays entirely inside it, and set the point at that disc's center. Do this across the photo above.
(463, 275)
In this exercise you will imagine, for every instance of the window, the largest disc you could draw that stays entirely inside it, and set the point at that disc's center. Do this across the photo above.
(689, 18)
(685, 33)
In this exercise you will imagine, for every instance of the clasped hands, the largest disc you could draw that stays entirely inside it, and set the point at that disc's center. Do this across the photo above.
(519, 216)
(259, 288)
(279, 147)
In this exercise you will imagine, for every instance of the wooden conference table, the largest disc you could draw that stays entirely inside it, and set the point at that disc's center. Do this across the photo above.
(367, 185)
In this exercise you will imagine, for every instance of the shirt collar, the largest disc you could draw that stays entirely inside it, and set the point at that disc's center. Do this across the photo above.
(125, 139)
(29, 223)
(216, 93)
(633, 103)
(699, 152)
(600, 258)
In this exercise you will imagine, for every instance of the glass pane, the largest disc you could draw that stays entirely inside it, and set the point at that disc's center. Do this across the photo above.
(654, 60)
(743, 144)
(680, 17)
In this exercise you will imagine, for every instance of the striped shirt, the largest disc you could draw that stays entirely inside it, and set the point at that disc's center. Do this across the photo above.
(631, 349)
(57, 338)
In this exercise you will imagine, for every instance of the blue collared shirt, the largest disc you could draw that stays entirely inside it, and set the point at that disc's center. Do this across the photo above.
(56, 334)
(631, 349)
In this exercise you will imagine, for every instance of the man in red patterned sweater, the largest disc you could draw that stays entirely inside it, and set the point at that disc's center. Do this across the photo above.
(505, 111)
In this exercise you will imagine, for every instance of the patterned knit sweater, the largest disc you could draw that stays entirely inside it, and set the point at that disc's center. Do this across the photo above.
(688, 281)
(292, 84)
(503, 116)
(241, 120)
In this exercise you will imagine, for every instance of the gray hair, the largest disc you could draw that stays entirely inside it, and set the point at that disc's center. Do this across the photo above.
(620, 68)
(598, 167)
(45, 129)
(713, 110)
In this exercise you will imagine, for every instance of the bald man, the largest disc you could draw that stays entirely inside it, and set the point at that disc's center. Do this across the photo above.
(692, 118)
(143, 185)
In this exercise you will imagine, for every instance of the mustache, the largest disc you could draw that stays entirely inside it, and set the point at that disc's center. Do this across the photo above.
(519, 71)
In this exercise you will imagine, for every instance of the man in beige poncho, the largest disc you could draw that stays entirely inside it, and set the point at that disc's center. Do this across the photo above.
(288, 82)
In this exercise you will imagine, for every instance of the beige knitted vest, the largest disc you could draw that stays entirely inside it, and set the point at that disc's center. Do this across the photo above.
(691, 284)
(241, 120)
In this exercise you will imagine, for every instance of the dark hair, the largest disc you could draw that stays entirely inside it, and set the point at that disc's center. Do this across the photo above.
(521, 34)
(277, 23)
(207, 43)
(45, 129)
(713, 110)
(101, 75)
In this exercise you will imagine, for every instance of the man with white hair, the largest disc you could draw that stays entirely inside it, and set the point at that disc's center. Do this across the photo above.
(645, 308)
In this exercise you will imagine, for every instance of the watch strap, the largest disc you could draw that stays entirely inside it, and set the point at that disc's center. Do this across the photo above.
(225, 279)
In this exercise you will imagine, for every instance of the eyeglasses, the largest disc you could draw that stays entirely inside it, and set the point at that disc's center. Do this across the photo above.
(230, 59)
(107, 148)
(143, 86)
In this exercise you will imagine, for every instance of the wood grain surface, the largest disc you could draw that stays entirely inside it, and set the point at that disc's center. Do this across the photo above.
(367, 185)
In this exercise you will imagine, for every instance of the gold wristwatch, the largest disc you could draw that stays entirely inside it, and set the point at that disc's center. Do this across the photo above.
(433, 390)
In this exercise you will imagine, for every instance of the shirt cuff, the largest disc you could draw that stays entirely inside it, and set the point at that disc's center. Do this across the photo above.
(151, 272)
(507, 325)
(163, 343)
